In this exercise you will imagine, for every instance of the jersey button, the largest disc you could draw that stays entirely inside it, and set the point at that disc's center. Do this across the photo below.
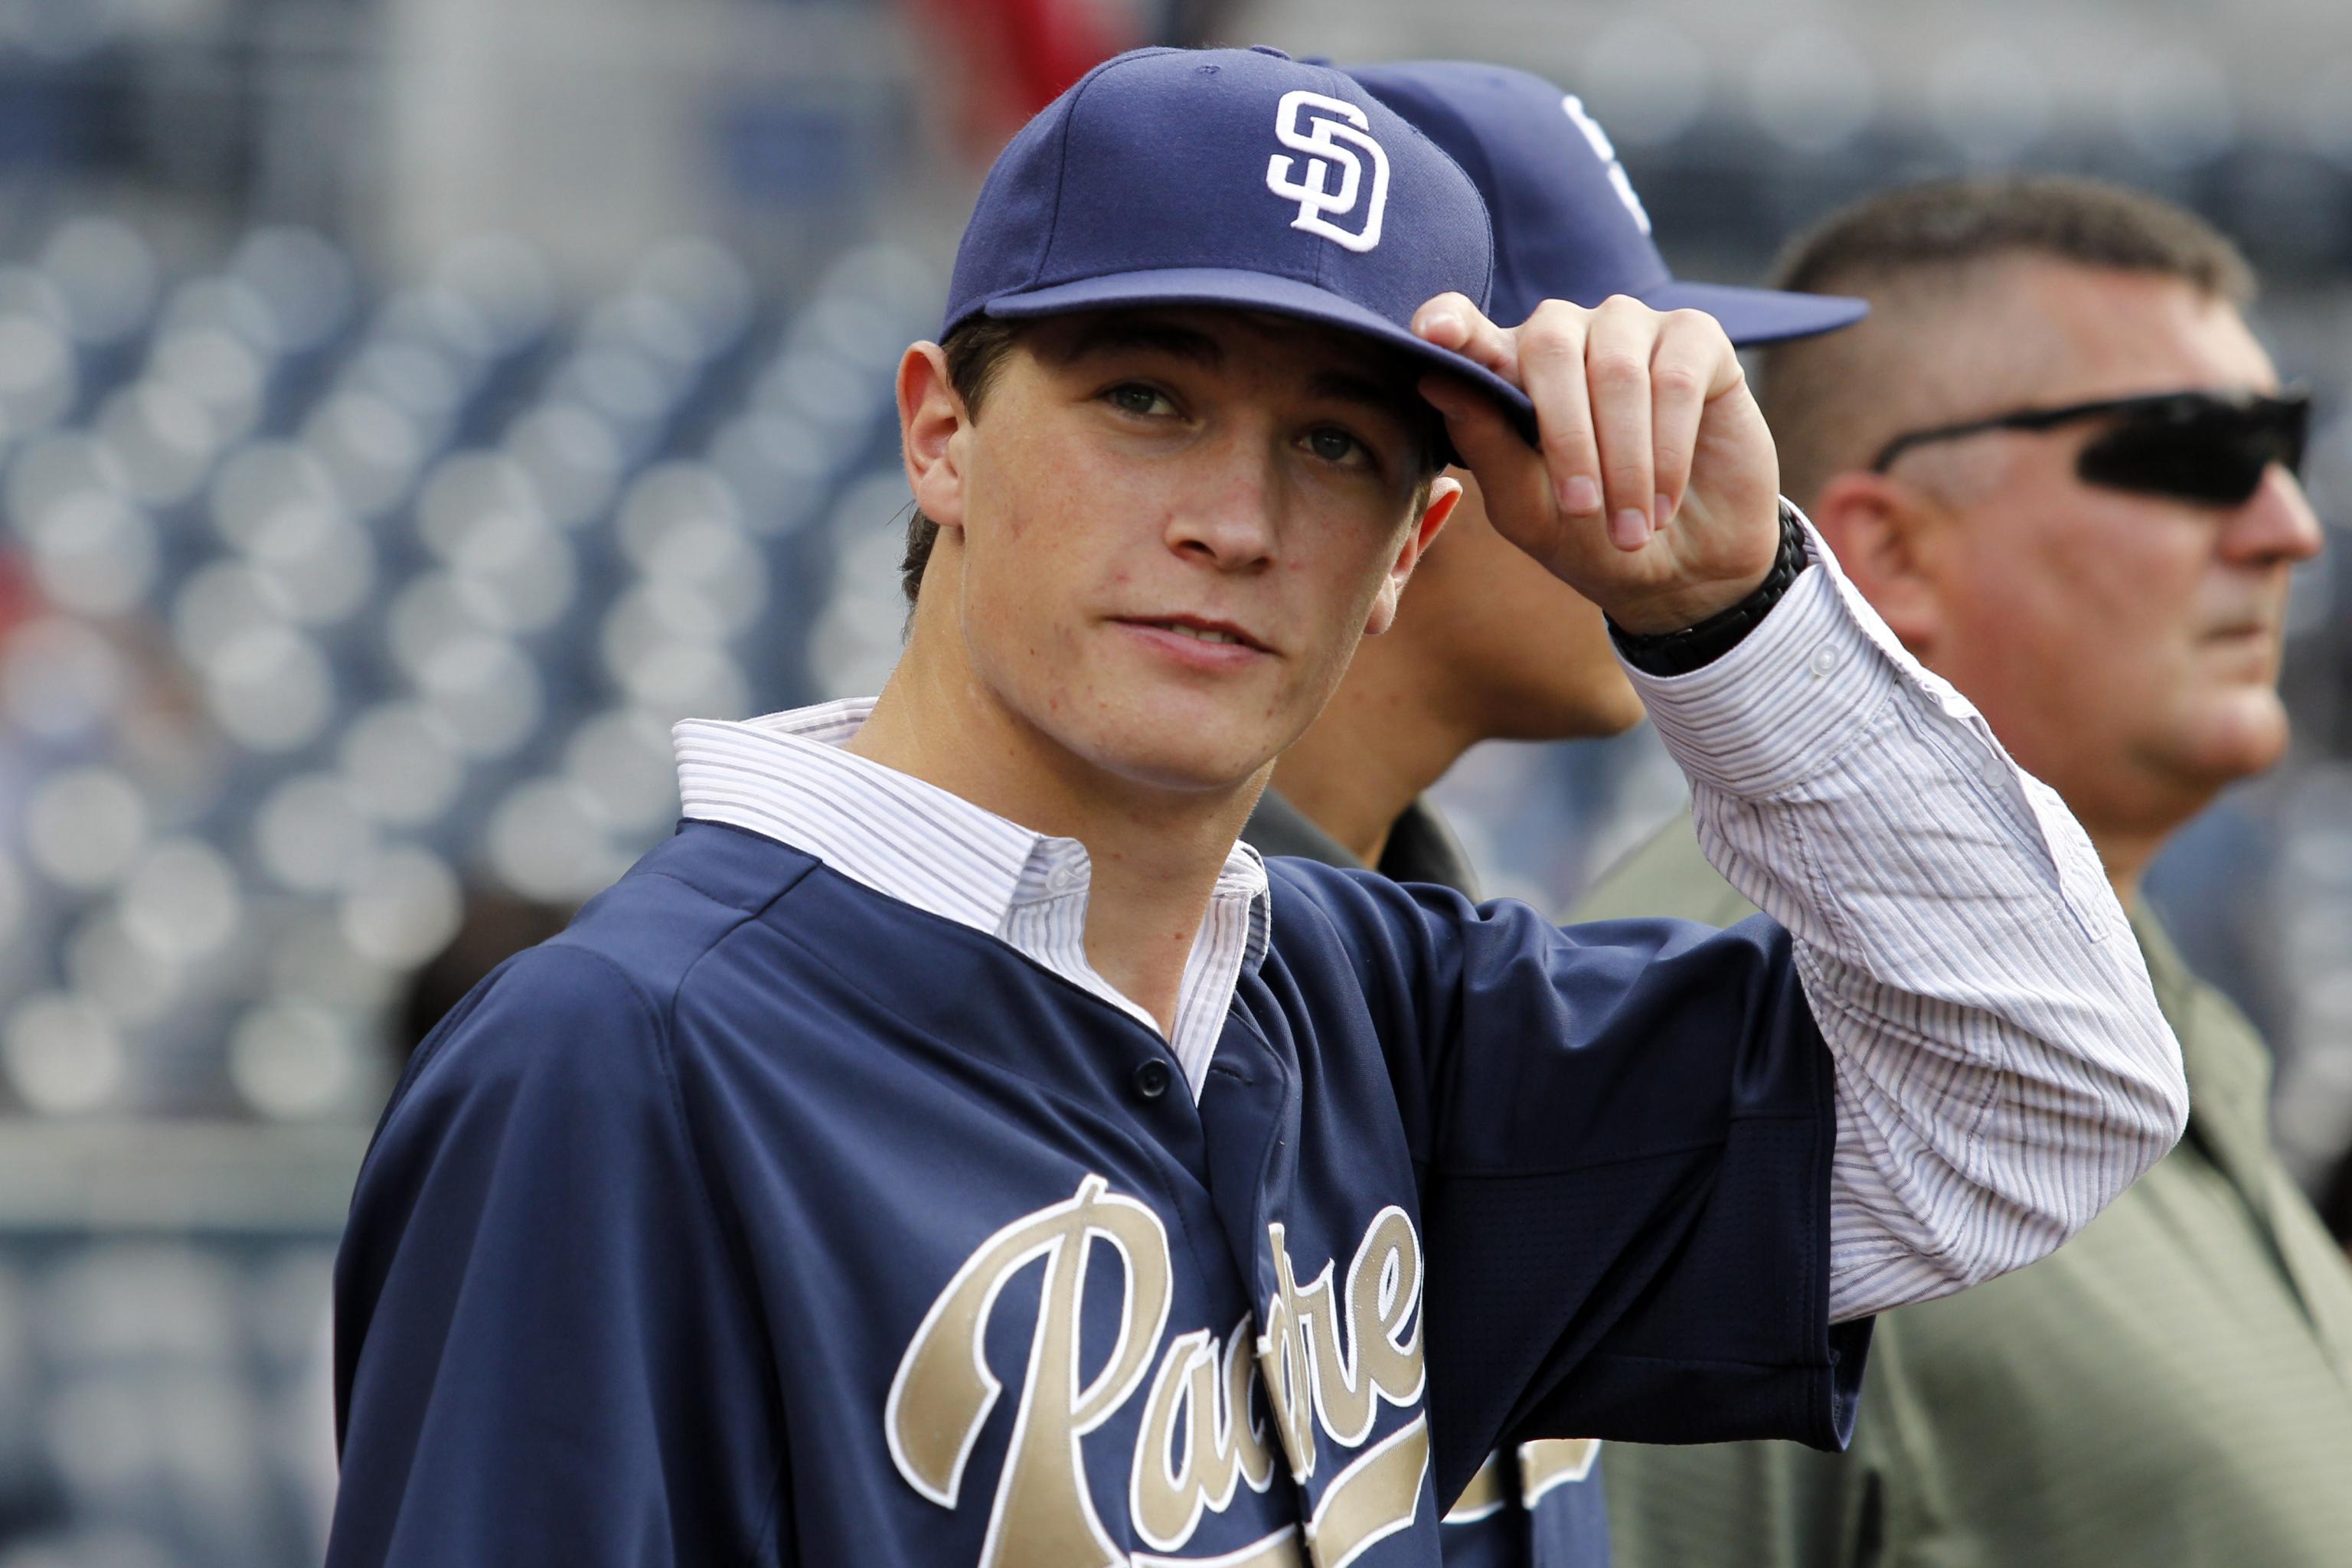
(1151, 1079)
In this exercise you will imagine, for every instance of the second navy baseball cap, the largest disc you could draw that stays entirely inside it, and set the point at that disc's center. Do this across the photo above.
(1568, 224)
(1229, 178)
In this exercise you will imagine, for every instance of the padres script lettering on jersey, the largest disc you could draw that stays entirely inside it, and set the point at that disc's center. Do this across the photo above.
(1325, 1354)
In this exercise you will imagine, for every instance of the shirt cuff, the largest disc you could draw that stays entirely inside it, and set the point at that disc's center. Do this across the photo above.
(1679, 653)
(1795, 691)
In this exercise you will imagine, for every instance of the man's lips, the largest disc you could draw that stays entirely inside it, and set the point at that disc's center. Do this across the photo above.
(1202, 629)
(2264, 628)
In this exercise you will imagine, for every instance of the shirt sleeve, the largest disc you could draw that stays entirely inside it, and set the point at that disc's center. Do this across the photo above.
(2002, 1070)
(1777, 1505)
(543, 1353)
(1623, 1136)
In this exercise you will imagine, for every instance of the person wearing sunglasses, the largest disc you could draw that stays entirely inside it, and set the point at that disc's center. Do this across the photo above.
(2059, 464)
(2203, 447)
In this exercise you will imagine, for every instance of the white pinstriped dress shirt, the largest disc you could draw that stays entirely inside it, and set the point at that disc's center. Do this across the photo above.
(2002, 1070)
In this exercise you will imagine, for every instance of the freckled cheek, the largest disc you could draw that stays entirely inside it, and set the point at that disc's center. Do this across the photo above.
(1017, 616)
(1327, 598)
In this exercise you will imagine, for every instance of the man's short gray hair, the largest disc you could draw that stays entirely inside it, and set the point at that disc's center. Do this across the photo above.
(1916, 250)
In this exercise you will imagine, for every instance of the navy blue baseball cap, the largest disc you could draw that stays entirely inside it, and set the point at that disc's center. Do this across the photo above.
(1568, 224)
(1229, 178)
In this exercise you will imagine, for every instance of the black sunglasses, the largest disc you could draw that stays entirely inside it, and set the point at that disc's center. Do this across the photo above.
(2211, 447)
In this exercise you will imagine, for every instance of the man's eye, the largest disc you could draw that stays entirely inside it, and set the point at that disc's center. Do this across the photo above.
(1333, 446)
(1133, 397)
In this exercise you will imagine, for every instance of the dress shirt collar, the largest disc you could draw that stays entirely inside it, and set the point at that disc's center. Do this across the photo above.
(788, 777)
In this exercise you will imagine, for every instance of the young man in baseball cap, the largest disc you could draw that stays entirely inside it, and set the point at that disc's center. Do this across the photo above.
(953, 1148)
(1489, 645)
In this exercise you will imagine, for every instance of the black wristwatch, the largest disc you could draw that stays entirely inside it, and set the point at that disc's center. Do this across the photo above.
(1694, 647)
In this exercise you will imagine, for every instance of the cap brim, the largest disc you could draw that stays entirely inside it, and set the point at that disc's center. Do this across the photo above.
(1759, 315)
(1235, 288)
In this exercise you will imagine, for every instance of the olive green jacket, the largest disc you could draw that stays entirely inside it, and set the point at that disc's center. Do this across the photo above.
(2172, 1386)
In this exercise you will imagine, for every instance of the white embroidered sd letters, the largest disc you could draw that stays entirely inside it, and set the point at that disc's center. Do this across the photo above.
(1329, 144)
(1598, 139)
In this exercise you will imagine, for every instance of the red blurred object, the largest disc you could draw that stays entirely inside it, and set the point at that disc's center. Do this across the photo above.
(1020, 54)
(20, 598)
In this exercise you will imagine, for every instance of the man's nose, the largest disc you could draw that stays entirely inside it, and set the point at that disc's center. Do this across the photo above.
(1231, 518)
(2275, 524)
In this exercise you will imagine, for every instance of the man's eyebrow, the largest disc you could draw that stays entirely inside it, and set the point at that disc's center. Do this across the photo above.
(1394, 397)
(1129, 336)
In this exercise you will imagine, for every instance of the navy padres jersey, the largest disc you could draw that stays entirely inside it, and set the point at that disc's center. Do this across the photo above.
(762, 1219)
(1540, 1505)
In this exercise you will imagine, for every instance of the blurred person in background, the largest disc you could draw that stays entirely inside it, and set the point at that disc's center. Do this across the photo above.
(2058, 463)
(1003, 61)
(1489, 645)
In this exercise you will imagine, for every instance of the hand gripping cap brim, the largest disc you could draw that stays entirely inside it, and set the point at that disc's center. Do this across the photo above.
(1235, 178)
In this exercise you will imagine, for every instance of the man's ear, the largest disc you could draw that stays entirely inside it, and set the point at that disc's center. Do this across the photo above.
(1444, 494)
(930, 419)
(1880, 528)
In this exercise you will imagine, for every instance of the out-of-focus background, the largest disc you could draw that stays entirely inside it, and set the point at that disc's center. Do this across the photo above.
(408, 409)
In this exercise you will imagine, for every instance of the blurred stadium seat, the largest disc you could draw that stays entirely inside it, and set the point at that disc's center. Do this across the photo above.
(338, 604)
(325, 610)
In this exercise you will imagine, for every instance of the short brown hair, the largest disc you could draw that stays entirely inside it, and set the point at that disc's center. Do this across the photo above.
(1912, 252)
(975, 353)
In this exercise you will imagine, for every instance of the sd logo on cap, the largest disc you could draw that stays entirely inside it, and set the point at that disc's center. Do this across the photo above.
(1234, 177)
